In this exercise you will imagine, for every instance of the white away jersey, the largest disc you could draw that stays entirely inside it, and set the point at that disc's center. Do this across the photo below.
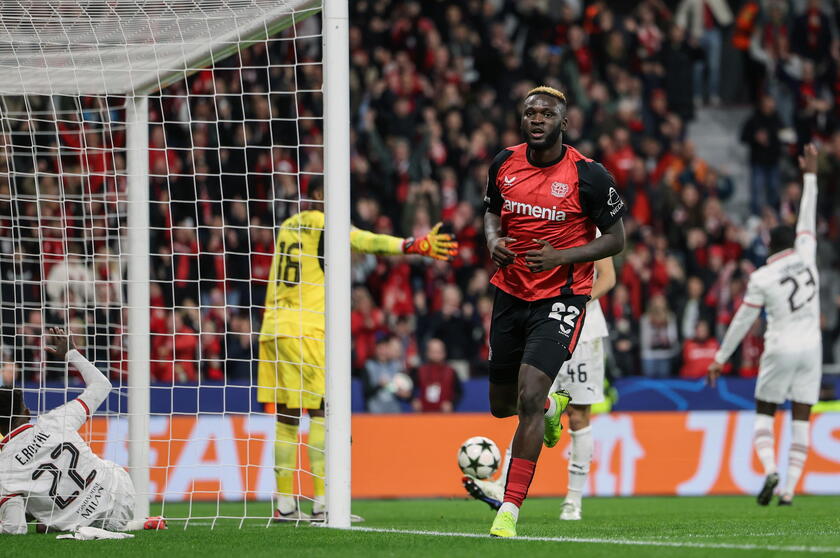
(47, 464)
(49, 471)
(788, 289)
(788, 286)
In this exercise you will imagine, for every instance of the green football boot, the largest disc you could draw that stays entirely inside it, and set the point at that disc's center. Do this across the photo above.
(504, 525)
(553, 428)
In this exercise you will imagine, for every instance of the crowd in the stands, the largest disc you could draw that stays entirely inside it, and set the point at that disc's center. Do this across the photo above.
(435, 88)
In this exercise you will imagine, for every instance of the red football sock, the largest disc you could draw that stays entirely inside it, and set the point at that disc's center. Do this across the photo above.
(520, 474)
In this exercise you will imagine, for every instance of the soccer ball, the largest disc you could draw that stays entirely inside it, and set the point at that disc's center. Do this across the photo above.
(479, 457)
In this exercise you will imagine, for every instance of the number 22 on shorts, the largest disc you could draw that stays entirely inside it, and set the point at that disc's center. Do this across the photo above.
(566, 315)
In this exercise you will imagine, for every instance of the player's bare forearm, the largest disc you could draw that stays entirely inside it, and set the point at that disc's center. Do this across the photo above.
(737, 330)
(604, 278)
(610, 243)
(496, 243)
(808, 162)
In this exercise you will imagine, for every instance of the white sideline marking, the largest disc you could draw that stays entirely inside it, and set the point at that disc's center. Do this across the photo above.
(626, 542)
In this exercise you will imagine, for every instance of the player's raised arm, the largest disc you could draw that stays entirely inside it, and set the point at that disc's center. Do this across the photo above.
(806, 224)
(742, 321)
(97, 386)
(435, 244)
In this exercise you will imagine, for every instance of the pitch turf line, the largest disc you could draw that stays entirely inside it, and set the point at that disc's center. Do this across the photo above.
(623, 542)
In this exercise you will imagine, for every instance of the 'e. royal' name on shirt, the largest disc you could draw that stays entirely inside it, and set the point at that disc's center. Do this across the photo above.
(27, 453)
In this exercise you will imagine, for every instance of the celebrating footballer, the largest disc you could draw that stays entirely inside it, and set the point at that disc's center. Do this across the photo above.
(544, 202)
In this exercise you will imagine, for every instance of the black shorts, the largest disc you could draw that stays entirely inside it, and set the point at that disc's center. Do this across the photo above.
(542, 333)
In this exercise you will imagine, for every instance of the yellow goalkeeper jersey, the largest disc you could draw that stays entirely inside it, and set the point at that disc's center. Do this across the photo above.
(294, 299)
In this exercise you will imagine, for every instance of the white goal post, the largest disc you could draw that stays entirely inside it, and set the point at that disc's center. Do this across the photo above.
(131, 49)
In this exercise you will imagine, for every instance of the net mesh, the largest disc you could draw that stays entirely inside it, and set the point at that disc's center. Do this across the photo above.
(235, 137)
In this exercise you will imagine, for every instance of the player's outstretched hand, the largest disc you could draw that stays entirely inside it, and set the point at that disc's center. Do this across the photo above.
(500, 253)
(808, 159)
(58, 343)
(437, 245)
(545, 258)
(713, 373)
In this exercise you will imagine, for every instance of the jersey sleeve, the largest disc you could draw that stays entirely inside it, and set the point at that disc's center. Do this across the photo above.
(12, 515)
(742, 321)
(493, 200)
(738, 328)
(806, 224)
(72, 415)
(367, 242)
(599, 197)
(755, 295)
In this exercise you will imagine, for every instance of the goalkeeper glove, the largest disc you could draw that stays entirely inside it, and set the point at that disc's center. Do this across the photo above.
(440, 246)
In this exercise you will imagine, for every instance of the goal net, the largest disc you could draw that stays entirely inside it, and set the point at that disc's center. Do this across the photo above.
(151, 151)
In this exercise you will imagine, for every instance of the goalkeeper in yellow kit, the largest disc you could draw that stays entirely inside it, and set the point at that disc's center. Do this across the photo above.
(292, 360)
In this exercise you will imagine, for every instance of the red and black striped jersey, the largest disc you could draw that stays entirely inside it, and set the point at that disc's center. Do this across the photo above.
(561, 202)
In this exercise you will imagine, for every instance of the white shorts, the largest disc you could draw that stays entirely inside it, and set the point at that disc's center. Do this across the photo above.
(790, 376)
(121, 510)
(583, 374)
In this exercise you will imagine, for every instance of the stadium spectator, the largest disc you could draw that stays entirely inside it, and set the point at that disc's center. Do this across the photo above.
(705, 20)
(454, 329)
(431, 88)
(70, 282)
(698, 352)
(383, 389)
(366, 323)
(436, 385)
(692, 309)
(659, 342)
(761, 134)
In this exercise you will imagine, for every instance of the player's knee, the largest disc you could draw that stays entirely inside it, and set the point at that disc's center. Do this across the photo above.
(578, 417)
(531, 401)
(502, 409)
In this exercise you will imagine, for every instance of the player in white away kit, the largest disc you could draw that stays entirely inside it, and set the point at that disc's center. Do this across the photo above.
(582, 376)
(48, 471)
(787, 287)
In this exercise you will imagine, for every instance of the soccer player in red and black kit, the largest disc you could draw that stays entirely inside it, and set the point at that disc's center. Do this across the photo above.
(544, 201)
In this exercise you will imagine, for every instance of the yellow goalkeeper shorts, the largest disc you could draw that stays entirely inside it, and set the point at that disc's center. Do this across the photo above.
(291, 372)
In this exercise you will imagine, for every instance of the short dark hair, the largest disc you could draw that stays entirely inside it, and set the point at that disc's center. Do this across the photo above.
(781, 238)
(316, 184)
(11, 407)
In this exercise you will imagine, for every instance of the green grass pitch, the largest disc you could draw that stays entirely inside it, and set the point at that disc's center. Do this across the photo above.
(626, 527)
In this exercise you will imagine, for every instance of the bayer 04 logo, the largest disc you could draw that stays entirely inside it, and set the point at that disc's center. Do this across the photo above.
(479, 457)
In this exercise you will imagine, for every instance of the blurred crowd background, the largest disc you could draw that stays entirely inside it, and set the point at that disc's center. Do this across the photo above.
(435, 92)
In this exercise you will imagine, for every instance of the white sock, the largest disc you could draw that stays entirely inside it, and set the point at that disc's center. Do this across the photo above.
(552, 407)
(510, 507)
(582, 449)
(764, 443)
(506, 463)
(796, 456)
